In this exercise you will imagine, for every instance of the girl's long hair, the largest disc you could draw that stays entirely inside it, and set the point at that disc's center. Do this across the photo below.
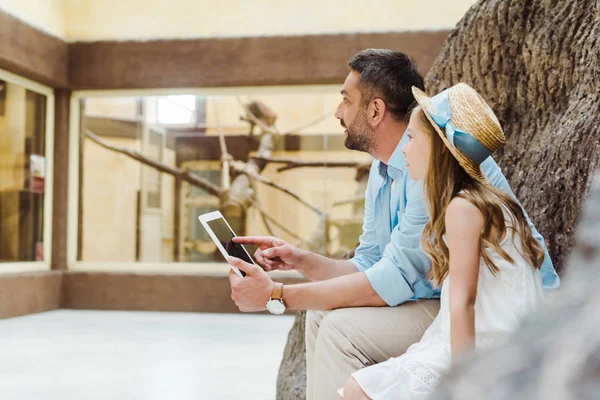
(446, 179)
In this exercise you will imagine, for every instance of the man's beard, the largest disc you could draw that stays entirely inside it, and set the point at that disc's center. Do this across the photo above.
(360, 135)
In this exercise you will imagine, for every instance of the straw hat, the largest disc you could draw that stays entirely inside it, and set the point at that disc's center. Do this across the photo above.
(466, 124)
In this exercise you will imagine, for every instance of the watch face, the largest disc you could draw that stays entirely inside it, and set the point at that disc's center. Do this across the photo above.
(276, 307)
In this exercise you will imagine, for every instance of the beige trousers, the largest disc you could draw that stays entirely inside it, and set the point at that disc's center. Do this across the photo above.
(342, 341)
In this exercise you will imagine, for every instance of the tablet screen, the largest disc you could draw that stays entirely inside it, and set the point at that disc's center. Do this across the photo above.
(225, 236)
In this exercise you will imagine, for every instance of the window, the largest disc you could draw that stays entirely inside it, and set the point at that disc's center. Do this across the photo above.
(176, 110)
(25, 171)
(140, 212)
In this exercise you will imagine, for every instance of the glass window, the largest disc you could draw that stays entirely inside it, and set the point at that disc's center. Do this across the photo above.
(176, 110)
(22, 173)
(132, 210)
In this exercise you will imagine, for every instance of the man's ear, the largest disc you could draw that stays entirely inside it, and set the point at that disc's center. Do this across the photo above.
(376, 112)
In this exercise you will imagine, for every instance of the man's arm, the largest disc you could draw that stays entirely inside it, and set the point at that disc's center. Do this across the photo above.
(317, 268)
(403, 268)
(367, 252)
(252, 292)
(320, 268)
(391, 281)
(276, 254)
(550, 278)
(352, 290)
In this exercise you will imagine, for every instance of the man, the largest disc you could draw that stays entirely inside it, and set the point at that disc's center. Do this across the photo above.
(388, 268)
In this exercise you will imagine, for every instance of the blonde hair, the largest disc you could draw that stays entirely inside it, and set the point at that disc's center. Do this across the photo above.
(446, 179)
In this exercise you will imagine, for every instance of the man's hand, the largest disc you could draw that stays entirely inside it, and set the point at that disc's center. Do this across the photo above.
(273, 253)
(252, 292)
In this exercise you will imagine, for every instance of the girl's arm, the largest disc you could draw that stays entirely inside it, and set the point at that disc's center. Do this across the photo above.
(464, 224)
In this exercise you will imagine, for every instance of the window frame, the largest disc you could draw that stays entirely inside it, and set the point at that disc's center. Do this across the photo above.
(48, 92)
(73, 264)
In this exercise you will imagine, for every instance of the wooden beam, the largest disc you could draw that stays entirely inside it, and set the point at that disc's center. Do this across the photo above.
(31, 53)
(249, 61)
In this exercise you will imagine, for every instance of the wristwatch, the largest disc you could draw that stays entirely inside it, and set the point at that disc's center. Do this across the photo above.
(275, 305)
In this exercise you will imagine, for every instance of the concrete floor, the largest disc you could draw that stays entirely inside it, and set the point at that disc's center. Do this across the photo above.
(68, 355)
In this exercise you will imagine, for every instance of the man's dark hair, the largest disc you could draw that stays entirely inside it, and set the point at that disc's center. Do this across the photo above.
(388, 75)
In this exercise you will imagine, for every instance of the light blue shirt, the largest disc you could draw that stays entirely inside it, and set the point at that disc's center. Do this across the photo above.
(389, 251)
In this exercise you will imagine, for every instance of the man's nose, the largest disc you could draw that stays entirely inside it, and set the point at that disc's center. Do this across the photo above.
(338, 112)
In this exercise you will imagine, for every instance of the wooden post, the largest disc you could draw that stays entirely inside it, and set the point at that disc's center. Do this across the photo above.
(62, 102)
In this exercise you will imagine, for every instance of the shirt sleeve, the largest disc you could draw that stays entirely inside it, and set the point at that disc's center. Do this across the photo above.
(400, 274)
(550, 278)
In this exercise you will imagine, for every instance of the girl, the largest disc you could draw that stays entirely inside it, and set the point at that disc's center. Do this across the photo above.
(480, 244)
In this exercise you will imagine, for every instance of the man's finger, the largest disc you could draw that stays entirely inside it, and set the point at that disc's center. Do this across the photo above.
(281, 252)
(233, 277)
(261, 260)
(249, 269)
(269, 265)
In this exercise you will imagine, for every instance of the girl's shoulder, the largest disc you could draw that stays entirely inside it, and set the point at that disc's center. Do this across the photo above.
(459, 205)
(462, 213)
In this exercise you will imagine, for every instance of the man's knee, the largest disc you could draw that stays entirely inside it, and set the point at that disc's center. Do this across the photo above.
(339, 321)
(313, 319)
(312, 324)
(353, 391)
(334, 333)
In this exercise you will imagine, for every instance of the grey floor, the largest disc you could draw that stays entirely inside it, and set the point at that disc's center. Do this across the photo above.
(68, 354)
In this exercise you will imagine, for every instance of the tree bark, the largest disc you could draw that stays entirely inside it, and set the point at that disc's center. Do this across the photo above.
(291, 380)
(537, 63)
(555, 354)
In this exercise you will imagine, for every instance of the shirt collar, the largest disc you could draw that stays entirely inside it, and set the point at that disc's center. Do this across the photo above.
(397, 163)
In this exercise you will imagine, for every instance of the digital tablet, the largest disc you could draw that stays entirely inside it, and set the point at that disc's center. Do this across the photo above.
(222, 234)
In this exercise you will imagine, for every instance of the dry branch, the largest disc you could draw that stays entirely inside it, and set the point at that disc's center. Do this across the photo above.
(186, 176)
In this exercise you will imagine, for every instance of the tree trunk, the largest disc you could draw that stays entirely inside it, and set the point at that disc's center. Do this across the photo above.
(537, 63)
(555, 354)
(291, 380)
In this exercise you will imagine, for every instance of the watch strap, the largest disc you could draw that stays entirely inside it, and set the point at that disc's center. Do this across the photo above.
(277, 292)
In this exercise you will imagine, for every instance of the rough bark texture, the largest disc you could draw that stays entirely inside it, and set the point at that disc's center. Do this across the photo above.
(556, 352)
(537, 63)
(291, 381)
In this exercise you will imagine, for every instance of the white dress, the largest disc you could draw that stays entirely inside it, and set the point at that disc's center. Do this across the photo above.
(502, 301)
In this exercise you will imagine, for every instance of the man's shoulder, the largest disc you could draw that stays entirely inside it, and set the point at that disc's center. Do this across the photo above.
(374, 175)
(494, 174)
(375, 167)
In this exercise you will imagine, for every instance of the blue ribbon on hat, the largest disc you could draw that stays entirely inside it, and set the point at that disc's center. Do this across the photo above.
(460, 140)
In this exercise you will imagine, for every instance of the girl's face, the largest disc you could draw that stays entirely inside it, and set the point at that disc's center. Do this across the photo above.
(418, 149)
